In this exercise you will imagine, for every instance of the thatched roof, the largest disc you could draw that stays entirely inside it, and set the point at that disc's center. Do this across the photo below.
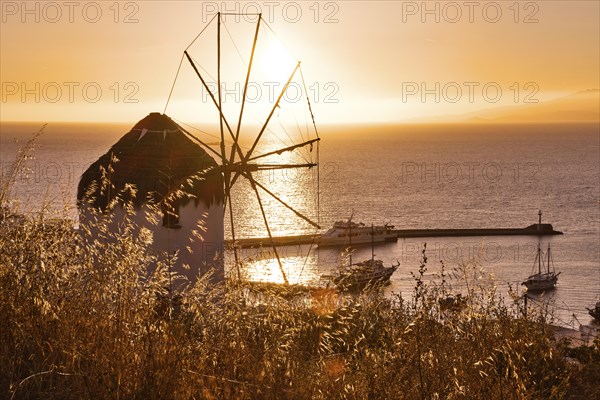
(158, 158)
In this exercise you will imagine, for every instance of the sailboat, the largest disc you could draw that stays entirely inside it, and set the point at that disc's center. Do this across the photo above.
(366, 273)
(595, 312)
(542, 280)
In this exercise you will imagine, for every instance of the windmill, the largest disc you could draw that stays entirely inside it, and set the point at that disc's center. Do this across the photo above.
(239, 163)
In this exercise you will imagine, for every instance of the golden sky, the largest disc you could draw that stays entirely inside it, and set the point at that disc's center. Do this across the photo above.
(363, 61)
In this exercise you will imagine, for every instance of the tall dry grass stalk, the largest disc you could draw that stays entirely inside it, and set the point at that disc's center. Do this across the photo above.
(16, 168)
(94, 320)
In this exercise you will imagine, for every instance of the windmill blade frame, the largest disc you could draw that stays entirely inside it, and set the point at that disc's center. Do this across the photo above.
(237, 163)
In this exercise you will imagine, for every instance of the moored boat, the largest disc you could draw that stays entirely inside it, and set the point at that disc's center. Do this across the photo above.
(360, 275)
(595, 312)
(368, 273)
(542, 280)
(346, 233)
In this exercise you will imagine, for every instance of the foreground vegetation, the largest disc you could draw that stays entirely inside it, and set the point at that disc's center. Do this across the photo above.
(77, 322)
(72, 328)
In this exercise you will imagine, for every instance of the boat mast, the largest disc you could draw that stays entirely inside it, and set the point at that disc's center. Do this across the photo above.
(350, 238)
(539, 257)
(372, 243)
(548, 258)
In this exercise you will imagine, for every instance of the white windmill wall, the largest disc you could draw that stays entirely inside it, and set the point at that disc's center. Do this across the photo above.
(203, 251)
(206, 252)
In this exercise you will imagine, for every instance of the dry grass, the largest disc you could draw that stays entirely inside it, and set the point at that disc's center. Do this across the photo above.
(77, 322)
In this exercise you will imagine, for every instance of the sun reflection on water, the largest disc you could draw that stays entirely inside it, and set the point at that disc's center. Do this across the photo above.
(298, 271)
(296, 187)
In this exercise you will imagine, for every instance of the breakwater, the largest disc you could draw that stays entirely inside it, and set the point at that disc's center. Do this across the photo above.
(531, 230)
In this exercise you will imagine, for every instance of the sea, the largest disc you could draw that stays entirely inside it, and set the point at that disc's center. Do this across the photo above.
(411, 176)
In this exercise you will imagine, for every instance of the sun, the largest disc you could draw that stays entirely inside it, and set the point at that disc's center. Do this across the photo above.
(276, 63)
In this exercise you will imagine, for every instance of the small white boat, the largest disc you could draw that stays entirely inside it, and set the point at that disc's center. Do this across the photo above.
(347, 233)
(542, 280)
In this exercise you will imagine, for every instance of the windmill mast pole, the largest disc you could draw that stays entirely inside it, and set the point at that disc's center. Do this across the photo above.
(285, 87)
(223, 154)
(237, 132)
(210, 93)
(223, 157)
(226, 174)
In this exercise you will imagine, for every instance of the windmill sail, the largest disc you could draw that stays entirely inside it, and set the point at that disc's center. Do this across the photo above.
(254, 101)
